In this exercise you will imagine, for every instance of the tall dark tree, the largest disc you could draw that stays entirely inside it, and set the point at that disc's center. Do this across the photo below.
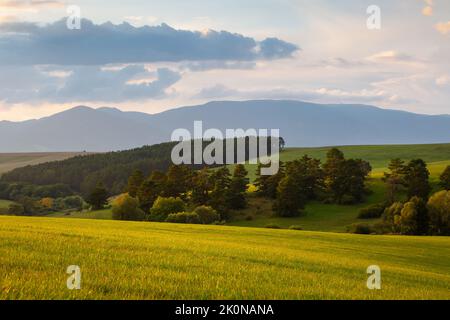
(150, 189)
(201, 186)
(238, 187)
(333, 169)
(395, 179)
(178, 182)
(267, 184)
(220, 181)
(290, 201)
(417, 179)
(135, 182)
(445, 179)
(98, 198)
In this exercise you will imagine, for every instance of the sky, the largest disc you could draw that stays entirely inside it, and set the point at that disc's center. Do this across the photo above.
(152, 56)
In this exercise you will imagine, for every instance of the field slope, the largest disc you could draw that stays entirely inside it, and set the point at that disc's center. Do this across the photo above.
(125, 260)
(11, 161)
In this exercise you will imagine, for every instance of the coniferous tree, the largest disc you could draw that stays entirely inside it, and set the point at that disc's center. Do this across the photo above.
(151, 189)
(135, 182)
(333, 169)
(238, 187)
(178, 181)
(395, 179)
(201, 186)
(445, 179)
(98, 198)
(289, 201)
(220, 181)
(416, 179)
(267, 184)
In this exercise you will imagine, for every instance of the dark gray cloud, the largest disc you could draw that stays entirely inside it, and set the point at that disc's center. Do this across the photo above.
(84, 83)
(32, 44)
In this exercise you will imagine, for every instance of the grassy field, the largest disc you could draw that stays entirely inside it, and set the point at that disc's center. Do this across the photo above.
(10, 161)
(4, 206)
(126, 260)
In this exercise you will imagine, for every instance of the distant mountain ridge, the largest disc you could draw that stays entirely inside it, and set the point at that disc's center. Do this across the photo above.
(301, 124)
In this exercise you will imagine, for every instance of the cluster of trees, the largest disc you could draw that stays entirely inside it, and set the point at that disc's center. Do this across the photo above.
(81, 174)
(27, 206)
(338, 180)
(417, 214)
(162, 194)
(38, 200)
(16, 191)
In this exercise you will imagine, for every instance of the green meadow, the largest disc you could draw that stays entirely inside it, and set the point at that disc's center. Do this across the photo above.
(244, 260)
(126, 260)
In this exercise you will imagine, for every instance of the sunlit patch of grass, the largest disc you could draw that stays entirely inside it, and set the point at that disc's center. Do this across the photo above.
(126, 260)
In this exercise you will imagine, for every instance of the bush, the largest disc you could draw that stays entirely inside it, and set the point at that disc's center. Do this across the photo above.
(165, 206)
(295, 228)
(16, 209)
(348, 200)
(249, 217)
(127, 208)
(360, 228)
(272, 226)
(372, 212)
(439, 212)
(184, 217)
(207, 215)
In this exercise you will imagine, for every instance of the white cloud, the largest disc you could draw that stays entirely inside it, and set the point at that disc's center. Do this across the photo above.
(443, 27)
(443, 80)
(427, 11)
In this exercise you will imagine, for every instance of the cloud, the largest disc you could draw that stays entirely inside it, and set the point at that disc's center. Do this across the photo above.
(390, 56)
(324, 95)
(427, 11)
(217, 64)
(443, 27)
(26, 4)
(28, 43)
(443, 81)
(85, 84)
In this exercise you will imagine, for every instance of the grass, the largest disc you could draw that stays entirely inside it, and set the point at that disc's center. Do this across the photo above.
(126, 260)
(105, 214)
(10, 161)
(4, 206)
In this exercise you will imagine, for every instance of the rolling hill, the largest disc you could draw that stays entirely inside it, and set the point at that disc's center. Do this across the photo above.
(11, 161)
(126, 260)
(300, 123)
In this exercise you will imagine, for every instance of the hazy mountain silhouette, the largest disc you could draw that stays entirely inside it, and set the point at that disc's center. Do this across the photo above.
(300, 123)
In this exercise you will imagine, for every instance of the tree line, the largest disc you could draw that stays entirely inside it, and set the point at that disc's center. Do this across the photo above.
(409, 209)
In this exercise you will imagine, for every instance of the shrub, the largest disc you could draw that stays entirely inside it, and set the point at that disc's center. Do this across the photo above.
(207, 215)
(360, 228)
(16, 209)
(272, 226)
(165, 206)
(439, 213)
(249, 217)
(295, 228)
(127, 208)
(348, 200)
(372, 212)
(184, 217)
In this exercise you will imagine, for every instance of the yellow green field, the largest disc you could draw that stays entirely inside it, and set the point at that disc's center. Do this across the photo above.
(125, 260)
(10, 161)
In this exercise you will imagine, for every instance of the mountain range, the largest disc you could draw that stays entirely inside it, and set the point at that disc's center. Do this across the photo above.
(300, 123)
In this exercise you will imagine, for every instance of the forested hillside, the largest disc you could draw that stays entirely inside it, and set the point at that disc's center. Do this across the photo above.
(82, 173)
